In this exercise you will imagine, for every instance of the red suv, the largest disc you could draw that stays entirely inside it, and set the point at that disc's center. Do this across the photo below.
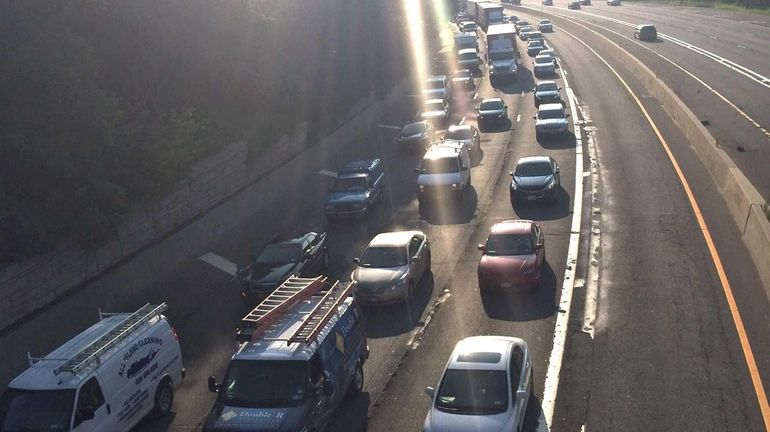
(513, 256)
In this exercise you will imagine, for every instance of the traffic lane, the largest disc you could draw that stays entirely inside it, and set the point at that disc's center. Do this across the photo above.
(464, 312)
(742, 39)
(746, 145)
(663, 342)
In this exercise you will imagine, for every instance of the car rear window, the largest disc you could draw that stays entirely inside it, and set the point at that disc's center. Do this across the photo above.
(440, 166)
(414, 128)
(480, 357)
(509, 244)
(458, 134)
(544, 114)
(491, 105)
(546, 87)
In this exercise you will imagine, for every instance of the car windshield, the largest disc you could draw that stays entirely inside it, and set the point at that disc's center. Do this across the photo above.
(546, 22)
(473, 392)
(434, 106)
(509, 244)
(384, 256)
(533, 169)
(349, 184)
(468, 56)
(413, 128)
(465, 73)
(544, 87)
(535, 35)
(506, 55)
(545, 114)
(491, 105)
(458, 134)
(543, 60)
(36, 410)
(521, 24)
(280, 253)
(439, 166)
(535, 44)
(265, 384)
(525, 29)
(434, 85)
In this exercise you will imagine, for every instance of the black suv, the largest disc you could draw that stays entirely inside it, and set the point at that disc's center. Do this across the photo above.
(356, 189)
(305, 256)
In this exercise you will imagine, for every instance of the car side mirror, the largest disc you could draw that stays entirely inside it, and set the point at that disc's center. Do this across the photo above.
(327, 388)
(534, 117)
(521, 394)
(482, 247)
(417, 170)
(559, 88)
(567, 115)
(430, 391)
(510, 173)
(357, 260)
(539, 245)
(557, 171)
(213, 385)
(465, 168)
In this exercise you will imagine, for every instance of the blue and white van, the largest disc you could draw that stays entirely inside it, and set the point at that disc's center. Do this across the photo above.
(302, 352)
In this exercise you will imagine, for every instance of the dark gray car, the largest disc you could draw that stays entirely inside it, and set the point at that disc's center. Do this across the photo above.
(417, 135)
(492, 110)
(356, 189)
(547, 92)
(535, 178)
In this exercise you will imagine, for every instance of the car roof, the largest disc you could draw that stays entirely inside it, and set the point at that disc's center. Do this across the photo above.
(533, 159)
(455, 128)
(289, 238)
(467, 50)
(446, 149)
(42, 375)
(541, 56)
(534, 42)
(492, 100)
(484, 344)
(544, 21)
(359, 166)
(517, 226)
(396, 238)
(550, 106)
(273, 345)
(546, 81)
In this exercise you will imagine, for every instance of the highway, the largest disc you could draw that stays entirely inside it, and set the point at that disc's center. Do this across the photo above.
(648, 337)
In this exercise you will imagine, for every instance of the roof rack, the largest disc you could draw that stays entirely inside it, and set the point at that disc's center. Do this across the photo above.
(91, 355)
(293, 291)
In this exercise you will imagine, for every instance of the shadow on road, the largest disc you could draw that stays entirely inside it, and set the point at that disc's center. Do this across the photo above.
(544, 210)
(450, 210)
(558, 142)
(532, 415)
(391, 320)
(504, 126)
(351, 415)
(524, 304)
(524, 82)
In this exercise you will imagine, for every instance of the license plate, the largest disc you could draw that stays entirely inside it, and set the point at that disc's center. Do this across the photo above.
(531, 197)
(506, 285)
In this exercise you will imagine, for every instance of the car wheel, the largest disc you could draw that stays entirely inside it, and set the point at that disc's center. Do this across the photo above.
(357, 384)
(164, 398)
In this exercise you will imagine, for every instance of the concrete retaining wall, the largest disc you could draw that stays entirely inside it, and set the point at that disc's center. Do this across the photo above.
(743, 200)
(220, 193)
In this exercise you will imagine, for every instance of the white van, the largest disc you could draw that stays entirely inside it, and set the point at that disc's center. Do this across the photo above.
(107, 378)
(445, 170)
(466, 41)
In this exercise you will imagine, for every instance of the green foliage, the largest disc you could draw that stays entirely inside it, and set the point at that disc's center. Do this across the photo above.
(105, 104)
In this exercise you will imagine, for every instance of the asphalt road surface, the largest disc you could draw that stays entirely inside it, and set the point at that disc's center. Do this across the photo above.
(650, 341)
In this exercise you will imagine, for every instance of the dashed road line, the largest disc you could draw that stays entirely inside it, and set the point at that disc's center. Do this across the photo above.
(220, 263)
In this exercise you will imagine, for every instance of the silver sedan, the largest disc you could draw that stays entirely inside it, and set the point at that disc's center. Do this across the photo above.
(391, 267)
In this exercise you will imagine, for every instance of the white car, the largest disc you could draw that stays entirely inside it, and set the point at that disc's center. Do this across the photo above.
(545, 25)
(543, 65)
(551, 120)
(445, 171)
(436, 87)
(468, 58)
(466, 135)
(486, 386)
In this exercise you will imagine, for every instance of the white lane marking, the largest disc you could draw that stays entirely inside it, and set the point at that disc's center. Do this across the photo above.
(713, 37)
(518, 118)
(398, 128)
(700, 81)
(743, 70)
(551, 386)
(741, 46)
(462, 120)
(220, 263)
(475, 95)
(328, 173)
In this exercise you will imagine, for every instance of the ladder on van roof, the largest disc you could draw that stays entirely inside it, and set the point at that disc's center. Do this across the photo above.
(293, 291)
(91, 355)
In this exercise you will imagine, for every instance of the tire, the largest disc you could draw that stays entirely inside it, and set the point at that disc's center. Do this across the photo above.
(357, 383)
(164, 398)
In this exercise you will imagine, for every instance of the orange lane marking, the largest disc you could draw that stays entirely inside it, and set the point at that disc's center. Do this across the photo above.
(745, 345)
